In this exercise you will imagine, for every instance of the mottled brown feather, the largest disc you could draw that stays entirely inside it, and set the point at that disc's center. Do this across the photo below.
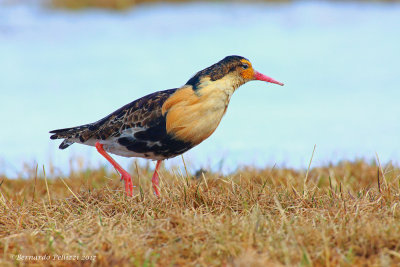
(144, 112)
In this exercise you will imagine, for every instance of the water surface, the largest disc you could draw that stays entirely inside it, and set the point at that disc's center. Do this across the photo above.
(339, 62)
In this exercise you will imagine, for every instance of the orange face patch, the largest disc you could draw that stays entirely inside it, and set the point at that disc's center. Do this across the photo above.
(248, 73)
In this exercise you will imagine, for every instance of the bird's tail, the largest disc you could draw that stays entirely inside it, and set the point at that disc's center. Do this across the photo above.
(71, 135)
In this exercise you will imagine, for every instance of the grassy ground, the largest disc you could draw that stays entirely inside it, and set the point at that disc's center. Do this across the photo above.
(347, 214)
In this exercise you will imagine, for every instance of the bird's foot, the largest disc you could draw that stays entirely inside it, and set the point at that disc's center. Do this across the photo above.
(128, 183)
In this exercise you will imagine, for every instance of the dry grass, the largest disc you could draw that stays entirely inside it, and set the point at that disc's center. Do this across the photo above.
(340, 216)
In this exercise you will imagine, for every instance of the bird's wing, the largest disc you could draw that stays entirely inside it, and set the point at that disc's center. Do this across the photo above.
(137, 117)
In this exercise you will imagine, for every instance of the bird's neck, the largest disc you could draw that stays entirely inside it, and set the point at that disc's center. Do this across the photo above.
(193, 115)
(222, 88)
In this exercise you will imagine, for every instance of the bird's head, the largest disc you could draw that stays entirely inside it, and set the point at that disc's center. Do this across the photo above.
(232, 71)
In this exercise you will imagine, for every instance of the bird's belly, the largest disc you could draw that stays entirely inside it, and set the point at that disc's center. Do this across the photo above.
(123, 151)
(165, 148)
(111, 145)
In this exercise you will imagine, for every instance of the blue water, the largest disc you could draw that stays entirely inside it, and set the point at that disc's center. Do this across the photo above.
(340, 63)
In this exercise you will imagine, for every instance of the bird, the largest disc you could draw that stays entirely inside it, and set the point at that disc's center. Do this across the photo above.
(167, 123)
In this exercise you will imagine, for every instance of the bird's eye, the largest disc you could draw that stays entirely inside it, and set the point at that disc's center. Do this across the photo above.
(245, 66)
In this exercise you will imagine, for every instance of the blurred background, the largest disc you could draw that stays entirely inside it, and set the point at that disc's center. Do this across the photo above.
(65, 63)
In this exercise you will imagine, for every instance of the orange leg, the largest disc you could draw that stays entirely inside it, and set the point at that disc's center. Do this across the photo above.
(124, 174)
(155, 179)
